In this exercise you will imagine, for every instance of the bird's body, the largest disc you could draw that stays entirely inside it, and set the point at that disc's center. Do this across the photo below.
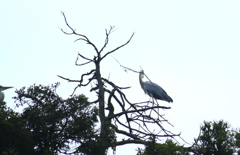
(1, 93)
(153, 89)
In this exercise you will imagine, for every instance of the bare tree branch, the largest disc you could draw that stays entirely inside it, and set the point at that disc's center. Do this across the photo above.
(84, 38)
(118, 47)
(125, 67)
(143, 109)
(107, 37)
(89, 60)
(130, 142)
(69, 80)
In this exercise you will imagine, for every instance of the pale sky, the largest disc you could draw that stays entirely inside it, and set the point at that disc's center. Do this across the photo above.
(190, 48)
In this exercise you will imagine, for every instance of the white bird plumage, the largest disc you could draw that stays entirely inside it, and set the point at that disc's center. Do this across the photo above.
(1, 93)
(153, 89)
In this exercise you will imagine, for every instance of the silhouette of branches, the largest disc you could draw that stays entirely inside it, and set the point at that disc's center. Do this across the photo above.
(133, 120)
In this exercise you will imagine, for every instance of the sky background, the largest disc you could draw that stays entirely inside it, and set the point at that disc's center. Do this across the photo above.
(190, 48)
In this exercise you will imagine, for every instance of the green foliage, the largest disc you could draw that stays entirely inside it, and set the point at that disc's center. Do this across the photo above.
(237, 136)
(55, 122)
(167, 148)
(94, 144)
(15, 138)
(10, 151)
(215, 138)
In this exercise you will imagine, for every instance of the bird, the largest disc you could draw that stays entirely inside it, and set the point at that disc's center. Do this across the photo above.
(153, 90)
(1, 93)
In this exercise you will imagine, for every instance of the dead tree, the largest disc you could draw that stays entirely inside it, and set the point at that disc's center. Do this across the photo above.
(134, 119)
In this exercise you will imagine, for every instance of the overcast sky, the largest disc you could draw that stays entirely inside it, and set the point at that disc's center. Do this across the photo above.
(190, 48)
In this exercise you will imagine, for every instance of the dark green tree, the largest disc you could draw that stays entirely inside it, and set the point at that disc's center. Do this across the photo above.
(56, 122)
(215, 138)
(134, 119)
(237, 137)
(167, 148)
(15, 138)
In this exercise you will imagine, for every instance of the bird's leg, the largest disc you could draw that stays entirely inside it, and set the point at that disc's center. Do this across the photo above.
(149, 101)
(157, 105)
(152, 105)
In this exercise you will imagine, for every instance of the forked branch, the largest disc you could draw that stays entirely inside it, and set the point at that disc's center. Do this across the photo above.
(82, 37)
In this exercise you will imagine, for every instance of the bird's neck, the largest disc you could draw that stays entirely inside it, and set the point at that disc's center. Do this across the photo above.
(140, 80)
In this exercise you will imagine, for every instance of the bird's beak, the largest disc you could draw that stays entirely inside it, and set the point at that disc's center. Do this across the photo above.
(4, 88)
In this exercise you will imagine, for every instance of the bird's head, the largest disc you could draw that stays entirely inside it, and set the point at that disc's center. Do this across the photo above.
(4, 88)
(141, 73)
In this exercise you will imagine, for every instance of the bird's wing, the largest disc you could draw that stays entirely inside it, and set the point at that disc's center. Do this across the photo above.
(155, 91)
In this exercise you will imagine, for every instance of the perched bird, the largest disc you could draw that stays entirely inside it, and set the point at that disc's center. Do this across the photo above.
(1, 93)
(153, 89)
